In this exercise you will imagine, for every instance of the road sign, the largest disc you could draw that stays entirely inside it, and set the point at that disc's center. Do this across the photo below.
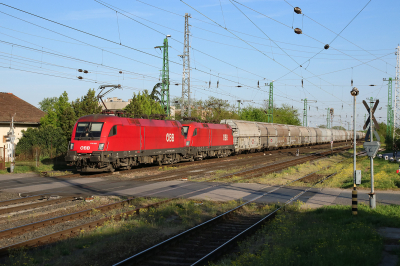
(376, 125)
(372, 148)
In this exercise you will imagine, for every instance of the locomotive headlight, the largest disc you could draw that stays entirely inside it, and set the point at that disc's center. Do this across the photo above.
(187, 143)
(71, 146)
(101, 146)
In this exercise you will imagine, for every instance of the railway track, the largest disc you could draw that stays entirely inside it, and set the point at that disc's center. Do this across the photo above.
(263, 166)
(274, 153)
(87, 226)
(45, 202)
(73, 231)
(209, 240)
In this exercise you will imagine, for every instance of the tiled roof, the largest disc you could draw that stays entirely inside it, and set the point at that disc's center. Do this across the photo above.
(25, 112)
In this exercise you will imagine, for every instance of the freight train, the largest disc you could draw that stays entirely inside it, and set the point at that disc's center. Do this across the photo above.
(105, 143)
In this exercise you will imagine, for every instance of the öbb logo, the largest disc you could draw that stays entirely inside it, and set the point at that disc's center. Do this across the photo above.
(85, 148)
(170, 137)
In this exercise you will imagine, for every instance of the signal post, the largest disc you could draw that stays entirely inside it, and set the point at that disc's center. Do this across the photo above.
(371, 146)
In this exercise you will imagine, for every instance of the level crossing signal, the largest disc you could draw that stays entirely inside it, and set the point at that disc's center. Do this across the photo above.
(376, 125)
(371, 147)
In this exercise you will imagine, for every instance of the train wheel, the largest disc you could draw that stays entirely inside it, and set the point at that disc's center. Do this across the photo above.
(111, 168)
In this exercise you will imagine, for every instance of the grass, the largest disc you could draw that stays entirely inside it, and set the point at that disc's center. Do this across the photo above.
(325, 236)
(45, 165)
(119, 239)
(385, 176)
(295, 172)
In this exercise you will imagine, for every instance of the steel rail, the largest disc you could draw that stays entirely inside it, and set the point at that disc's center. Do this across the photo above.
(25, 199)
(140, 255)
(34, 205)
(236, 163)
(207, 257)
(76, 215)
(74, 230)
(181, 164)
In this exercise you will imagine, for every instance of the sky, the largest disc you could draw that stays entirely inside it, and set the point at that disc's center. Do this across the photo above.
(233, 42)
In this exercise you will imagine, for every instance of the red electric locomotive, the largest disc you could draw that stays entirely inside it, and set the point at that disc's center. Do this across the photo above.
(105, 143)
(208, 140)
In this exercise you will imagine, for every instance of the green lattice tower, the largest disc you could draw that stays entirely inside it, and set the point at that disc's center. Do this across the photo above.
(305, 113)
(165, 78)
(270, 114)
(328, 118)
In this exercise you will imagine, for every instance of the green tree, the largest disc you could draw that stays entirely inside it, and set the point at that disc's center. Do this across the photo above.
(214, 109)
(338, 128)
(286, 115)
(87, 104)
(253, 114)
(47, 104)
(322, 126)
(142, 103)
(155, 93)
(46, 139)
(63, 116)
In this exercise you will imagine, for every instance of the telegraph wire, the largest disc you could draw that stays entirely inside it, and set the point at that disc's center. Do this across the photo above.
(291, 71)
(93, 35)
(100, 38)
(305, 35)
(254, 35)
(368, 51)
(113, 8)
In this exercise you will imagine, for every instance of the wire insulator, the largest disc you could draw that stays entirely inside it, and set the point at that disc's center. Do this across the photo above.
(326, 47)
(85, 71)
(80, 70)
(298, 31)
(80, 77)
(297, 10)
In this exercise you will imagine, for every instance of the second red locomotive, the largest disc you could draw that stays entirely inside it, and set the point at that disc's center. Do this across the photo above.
(105, 143)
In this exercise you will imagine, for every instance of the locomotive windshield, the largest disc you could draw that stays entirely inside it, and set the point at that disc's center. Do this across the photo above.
(185, 131)
(88, 131)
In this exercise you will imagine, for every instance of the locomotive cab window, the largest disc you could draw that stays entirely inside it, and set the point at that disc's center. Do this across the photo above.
(185, 131)
(195, 132)
(113, 131)
(88, 131)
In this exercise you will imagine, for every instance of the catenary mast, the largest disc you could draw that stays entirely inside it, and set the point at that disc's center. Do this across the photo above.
(185, 105)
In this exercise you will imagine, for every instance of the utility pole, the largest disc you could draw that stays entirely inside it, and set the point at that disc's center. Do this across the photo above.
(371, 146)
(11, 138)
(396, 115)
(305, 110)
(242, 101)
(186, 70)
(270, 114)
(165, 76)
(390, 122)
(328, 120)
(354, 92)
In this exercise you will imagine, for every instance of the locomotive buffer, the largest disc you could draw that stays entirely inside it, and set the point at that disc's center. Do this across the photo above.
(371, 147)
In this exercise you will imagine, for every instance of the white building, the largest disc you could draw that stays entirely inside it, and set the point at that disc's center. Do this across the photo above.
(25, 115)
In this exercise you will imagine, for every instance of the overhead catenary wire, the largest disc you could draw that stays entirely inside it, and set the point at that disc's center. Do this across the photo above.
(96, 37)
(256, 48)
